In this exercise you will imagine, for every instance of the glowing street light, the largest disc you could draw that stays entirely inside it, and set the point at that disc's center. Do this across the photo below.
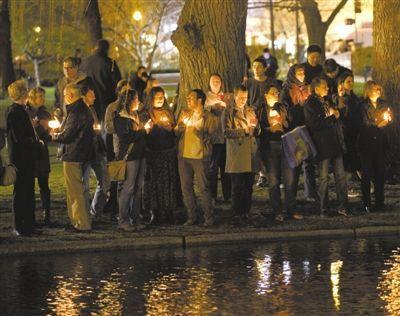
(37, 29)
(137, 15)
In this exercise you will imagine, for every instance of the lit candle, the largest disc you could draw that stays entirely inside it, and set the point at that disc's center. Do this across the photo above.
(164, 119)
(54, 124)
(386, 115)
(97, 127)
(273, 113)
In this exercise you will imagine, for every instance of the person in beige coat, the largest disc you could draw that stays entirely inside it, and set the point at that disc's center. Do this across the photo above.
(194, 130)
(241, 147)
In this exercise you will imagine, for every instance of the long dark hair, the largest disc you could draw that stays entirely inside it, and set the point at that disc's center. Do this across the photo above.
(126, 99)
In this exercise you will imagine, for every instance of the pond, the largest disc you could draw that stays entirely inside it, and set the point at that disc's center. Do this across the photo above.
(329, 277)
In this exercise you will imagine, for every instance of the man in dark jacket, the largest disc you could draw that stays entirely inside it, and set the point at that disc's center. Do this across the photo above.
(71, 75)
(312, 66)
(272, 63)
(24, 147)
(332, 71)
(105, 73)
(76, 137)
(322, 121)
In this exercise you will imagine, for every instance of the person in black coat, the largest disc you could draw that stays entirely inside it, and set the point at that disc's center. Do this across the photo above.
(24, 147)
(312, 66)
(322, 120)
(348, 104)
(373, 144)
(105, 73)
(76, 136)
(40, 119)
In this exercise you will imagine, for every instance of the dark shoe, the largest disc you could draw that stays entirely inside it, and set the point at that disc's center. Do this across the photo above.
(189, 222)
(367, 209)
(343, 212)
(324, 214)
(262, 182)
(279, 218)
(296, 216)
(208, 223)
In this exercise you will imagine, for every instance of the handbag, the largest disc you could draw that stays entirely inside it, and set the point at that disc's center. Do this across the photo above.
(117, 168)
(8, 174)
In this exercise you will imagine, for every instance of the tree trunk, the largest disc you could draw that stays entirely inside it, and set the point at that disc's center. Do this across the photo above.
(37, 73)
(93, 20)
(386, 48)
(211, 39)
(316, 28)
(7, 74)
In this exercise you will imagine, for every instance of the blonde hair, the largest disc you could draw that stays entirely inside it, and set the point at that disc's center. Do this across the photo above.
(74, 88)
(17, 90)
(34, 92)
(368, 87)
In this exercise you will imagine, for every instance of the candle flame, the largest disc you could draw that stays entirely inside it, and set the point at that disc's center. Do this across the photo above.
(53, 124)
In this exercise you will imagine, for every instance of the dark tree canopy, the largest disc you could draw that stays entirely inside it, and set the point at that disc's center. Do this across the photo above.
(6, 66)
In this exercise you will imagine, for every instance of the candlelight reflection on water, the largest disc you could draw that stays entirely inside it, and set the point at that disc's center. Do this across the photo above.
(336, 266)
(389, 285)
(186, 291)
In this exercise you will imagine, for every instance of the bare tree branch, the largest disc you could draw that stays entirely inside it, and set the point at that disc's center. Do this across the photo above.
(332, 16)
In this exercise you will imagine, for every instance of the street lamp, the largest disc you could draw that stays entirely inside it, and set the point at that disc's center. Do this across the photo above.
(37, 29)
(137, 15)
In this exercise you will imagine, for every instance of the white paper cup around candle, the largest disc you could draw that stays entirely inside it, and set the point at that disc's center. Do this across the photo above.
(54, 124)
(97, 127)
(273, 113)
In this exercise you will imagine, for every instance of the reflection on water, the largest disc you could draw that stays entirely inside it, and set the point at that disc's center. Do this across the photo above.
(188, 289)
(298, 278)
(390, 284)
(335, 278)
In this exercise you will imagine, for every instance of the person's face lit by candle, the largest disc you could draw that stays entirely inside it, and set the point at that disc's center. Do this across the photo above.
(348, 84)
(322, 89)
(375, 93)
(215, 84)
(158, 100)
(241, 98)
(134, 106)
(36, 99)
(272, 96)
(313, 58)
(300, 74)
(192, 101)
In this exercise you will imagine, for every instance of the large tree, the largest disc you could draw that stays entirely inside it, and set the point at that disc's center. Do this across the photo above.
(6, 66)
(93, 20)
(316, 28)
(210, 38)
(386, 48)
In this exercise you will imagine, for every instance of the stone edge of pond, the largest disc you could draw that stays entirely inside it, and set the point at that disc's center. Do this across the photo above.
(140, 243)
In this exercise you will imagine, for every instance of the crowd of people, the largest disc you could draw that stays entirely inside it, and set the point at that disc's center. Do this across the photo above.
(231, 136)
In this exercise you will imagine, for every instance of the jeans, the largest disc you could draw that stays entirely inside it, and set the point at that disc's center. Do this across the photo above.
(279, 172)
(340, 182)
(218, 159)
(242, 190)
(130, 191)
(99, 167)
(188, 169)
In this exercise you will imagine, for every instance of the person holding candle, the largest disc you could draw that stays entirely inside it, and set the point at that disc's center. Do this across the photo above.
(23, 147)
(40, 119)
(194, 130)
(216, 103)
(256, 87)
(131, 131)
(294, 94)
(76, 137)
(322, 121)
(99, 163)
(348, 104)
(161, 181)
(373, 144)
(274, 123)
(241, 160)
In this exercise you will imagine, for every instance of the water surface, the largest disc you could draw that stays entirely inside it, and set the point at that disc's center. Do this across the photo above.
(334, 277)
